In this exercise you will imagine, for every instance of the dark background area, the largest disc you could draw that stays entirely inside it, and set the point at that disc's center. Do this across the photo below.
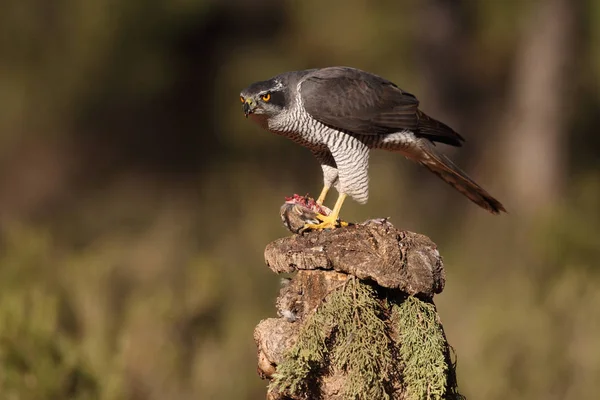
(136, 200)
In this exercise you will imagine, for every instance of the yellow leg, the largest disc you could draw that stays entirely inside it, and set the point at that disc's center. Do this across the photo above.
(330, 221)
(323, 194)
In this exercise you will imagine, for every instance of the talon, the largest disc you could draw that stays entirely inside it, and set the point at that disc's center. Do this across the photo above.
(325, 218)
(327, 222)
(330, 221)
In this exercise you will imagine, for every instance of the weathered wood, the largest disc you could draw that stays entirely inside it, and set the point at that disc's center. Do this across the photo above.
(375, 250)
(391, 264)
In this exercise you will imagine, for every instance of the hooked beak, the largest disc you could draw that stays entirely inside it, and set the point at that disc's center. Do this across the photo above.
(248, 107)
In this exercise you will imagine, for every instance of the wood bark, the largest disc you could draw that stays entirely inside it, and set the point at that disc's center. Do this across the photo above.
(395, 262)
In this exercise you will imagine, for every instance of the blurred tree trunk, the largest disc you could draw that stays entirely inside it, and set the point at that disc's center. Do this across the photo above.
(439, 47)
(526, 151)
(449, 87)
(531, 155)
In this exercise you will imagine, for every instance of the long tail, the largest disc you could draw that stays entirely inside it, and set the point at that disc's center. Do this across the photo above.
(441, 165)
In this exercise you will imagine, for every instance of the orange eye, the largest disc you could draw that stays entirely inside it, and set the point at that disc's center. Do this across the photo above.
(242, 99)
(266, 97)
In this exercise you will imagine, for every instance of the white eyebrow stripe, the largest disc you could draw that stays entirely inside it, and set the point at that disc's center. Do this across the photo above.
(275, 89)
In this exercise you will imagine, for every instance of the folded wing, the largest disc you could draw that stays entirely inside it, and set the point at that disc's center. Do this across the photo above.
(361, 103)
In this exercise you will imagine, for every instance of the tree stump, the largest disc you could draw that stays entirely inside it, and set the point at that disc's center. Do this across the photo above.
(357, 320)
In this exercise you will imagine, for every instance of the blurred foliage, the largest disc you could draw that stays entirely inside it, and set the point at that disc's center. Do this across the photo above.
(136, 201)
(40, 356)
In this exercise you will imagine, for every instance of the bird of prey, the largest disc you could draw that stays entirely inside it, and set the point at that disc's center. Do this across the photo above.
(340, 113)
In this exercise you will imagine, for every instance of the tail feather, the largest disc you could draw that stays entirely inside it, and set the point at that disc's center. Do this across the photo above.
(441, 165)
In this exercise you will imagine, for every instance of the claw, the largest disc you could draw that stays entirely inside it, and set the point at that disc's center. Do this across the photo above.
(327, 222)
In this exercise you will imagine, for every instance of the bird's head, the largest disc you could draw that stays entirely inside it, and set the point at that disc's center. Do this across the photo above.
(265, 99)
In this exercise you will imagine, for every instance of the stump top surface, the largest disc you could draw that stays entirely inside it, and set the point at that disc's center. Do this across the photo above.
(374, 250)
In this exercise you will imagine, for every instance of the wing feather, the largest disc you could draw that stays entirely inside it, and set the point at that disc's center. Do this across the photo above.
(365, 104)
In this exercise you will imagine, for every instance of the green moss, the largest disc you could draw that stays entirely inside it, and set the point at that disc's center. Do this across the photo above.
(351, 332)
(428, 372)
(363, 348)
(306, 356)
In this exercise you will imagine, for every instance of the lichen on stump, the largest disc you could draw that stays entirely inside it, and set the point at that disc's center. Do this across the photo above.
(357, 321)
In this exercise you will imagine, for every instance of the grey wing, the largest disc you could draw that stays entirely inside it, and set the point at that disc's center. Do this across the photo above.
(358, 102)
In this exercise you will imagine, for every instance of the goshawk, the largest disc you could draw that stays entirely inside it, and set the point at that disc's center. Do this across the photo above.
(340, 113)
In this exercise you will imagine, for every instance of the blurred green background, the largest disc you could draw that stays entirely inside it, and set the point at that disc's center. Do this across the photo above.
(136, 200)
